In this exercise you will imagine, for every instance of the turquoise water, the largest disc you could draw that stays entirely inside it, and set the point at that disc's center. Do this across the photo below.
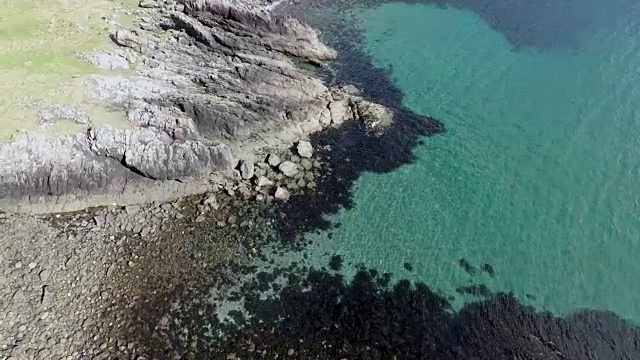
(536, 175)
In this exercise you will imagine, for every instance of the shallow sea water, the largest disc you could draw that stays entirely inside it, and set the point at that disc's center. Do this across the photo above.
(537, 173)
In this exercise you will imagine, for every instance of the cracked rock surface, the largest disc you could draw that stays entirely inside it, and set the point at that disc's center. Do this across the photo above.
(215, 83)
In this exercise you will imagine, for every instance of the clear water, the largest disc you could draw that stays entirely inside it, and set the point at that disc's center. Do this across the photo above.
(537, 174)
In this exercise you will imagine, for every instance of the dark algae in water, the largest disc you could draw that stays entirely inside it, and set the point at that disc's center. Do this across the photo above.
(317, 314)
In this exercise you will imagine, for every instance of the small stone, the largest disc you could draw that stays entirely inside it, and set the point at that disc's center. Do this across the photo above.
(71, 261)
(305, 149)
(44, 275)
(288, 168)
(132, 209)
(99, 220)
(311, 185)
(18, 265)
(211, 201)
(306, 164)
(148, 4)
(264, 181)
(273, 160)
(232, 219)
(47, 296)
(282, 194)
(145, 231)
(309, 177)
(111, 269)
(44, 315)
(291, 352)
(201, 218)
(32, 265)
(247, 169)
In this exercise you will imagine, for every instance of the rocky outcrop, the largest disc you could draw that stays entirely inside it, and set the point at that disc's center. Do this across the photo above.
(219, 89)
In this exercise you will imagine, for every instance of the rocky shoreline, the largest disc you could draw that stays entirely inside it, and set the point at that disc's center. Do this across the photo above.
(134, 280)
(139, 231)
(220, 117)
(215, 85)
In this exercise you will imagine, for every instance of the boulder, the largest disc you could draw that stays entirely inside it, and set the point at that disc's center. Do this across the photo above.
(247, 169)
(340, 112)
(305, 149)
(273, 160)
(282, 194)
(374, 116)
(288, 168)
(264, 181)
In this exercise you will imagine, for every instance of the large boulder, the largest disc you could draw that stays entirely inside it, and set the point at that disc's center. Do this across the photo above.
(288, 169)
(305, 149)
(247, 169)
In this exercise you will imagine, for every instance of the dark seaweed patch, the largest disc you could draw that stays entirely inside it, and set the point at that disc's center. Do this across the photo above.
(466, 265)
(317, 314)
(488, 269)
(335, 263)
(476, 290)
(543, 25)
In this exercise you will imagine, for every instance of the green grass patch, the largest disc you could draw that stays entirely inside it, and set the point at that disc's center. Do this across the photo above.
(39, 40)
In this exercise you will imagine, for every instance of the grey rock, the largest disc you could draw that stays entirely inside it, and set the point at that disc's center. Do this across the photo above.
(49, 116)
(108, 61)
(264, 181)
(212, 202)
(340, 112)
(149, 4)
(200, 219)
(288, 168)
(133, 209)
(305, 149)
(247, 169)
(44, 275)
(309, 176)
(274, 160)
(306, 164)
(374, 116)
(282, 194)
(47, 296)
(99, 220)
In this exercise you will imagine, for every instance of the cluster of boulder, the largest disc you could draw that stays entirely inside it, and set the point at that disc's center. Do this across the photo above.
(275, 177)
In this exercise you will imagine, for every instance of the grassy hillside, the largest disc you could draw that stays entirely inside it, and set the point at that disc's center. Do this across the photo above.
(38, 42)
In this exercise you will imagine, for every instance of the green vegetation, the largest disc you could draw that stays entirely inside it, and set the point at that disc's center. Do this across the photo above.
(39, 40)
